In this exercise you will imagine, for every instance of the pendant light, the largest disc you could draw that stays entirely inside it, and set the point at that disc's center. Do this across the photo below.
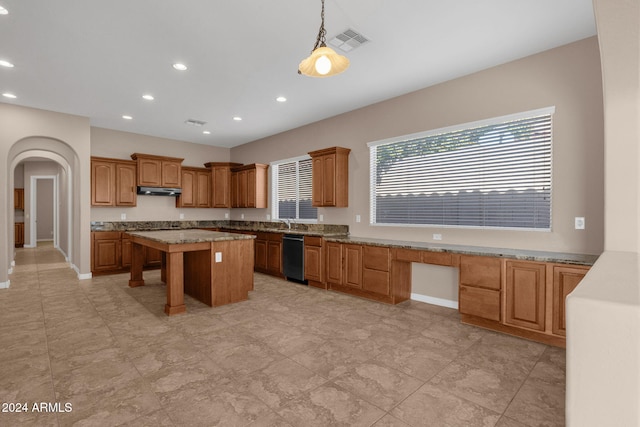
(323, 61)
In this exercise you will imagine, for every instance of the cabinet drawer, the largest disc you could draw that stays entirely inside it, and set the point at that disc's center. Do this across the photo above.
(376, 281)
(437, 258)
(483, 303)
(376, 258)
(483, 272)
(312, 241)
(408, 255)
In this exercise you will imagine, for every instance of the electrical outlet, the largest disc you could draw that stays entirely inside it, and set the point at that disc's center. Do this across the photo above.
(181, 216)
(268, 217)
(320, 217)
(241, 216)
(579, 223)
(123, 216)
(218, 256)
(226, 215)
(357, 218)
(437, 236)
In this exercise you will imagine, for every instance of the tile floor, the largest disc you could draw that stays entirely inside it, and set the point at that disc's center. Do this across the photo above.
(290, 356)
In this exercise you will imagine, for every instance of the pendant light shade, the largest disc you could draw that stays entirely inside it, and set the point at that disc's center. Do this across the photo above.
(323, 61)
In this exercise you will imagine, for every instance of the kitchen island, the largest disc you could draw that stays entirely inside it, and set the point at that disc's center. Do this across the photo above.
(215, 268)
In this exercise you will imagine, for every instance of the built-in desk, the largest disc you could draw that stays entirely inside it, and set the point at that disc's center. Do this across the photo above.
(215, 268)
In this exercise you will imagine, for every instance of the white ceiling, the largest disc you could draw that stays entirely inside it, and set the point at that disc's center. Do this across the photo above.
(96, 58)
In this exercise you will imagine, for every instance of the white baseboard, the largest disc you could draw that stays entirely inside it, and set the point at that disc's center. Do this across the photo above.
(5, 285)
(435, 301)
(28, 246)
(81, 276)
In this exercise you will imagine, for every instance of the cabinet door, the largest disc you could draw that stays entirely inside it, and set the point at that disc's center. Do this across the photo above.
(334, 263)
(525, 295)
(125, 251)
(18, 236)
(317, 181)
(261, 257)
(149, 172)
(18, 198)
(106, 251)
(187, 198)
(313, 263)
(221, 177)
(479, 302)
(353, 265)
(126, 185)
(235, 190)
(242, 189)
(329, 180)
(274, 257)
(203, 198)
(171, 176)
(250, 188)
(103, 183)
(565, 280)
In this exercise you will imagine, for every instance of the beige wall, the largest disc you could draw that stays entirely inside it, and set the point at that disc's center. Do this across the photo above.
(603, 313)
(567, 77)
(25, 133)
(120, 145)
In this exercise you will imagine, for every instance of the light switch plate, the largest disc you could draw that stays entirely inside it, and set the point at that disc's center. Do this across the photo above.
(579, 223)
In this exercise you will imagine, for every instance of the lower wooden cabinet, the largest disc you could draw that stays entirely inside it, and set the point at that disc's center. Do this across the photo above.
(525, 294)
(111, 253)
(565, 280)
(268, 253)
(352, 266)
(313, 261)
(480, 285)
(18, 234)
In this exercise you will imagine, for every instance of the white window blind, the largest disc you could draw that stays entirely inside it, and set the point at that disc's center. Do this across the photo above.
(293, 190)
(494, 173)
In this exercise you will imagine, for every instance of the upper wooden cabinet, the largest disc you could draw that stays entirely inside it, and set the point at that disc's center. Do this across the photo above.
(196, 188)
(221, 183)
(158, 171)
(18, 198)
(249, 186)
(113, 182)
(330, 177)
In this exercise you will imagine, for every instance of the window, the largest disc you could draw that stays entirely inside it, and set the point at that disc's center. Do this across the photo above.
(493, 173)
(292, 190)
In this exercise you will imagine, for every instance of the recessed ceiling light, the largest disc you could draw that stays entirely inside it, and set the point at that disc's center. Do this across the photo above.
(148, 97)
(237, 118)
(9, 95)
(3, 11)
(281, 99)
(180, 67)
(206, 132)
(6, 63)
(127, 117)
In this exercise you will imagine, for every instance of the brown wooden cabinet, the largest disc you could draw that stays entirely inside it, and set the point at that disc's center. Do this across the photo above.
(113, 182)
(249, 186)
(525, 294)
(18, 198)
(196, 188)
(314, 262)
(106, 251)
(18, 234)
(330, 177)
(565, 280)
(111, 253)
(480, 286)
(158, 171)
(352, 265)
(376, 267)
(268, 253)
(221, 183)
(333, 265)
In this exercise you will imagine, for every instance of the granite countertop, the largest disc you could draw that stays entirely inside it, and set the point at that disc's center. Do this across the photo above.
(175, 237)
(519, 254)
(257, 226)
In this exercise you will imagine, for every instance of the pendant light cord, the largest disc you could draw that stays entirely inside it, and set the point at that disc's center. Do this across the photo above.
(320, 41)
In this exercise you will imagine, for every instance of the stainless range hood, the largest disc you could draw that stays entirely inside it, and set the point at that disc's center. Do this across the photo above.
(159, 191)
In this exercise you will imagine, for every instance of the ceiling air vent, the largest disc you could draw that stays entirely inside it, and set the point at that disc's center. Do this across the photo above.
(348, 40)
(194, 122)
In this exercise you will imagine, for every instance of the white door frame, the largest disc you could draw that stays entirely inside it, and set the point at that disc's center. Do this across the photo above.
(33, 210)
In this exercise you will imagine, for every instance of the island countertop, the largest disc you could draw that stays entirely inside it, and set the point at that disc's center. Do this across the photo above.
(176, 237)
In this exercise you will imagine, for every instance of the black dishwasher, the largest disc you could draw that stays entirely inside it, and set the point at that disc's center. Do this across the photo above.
(293, 257)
